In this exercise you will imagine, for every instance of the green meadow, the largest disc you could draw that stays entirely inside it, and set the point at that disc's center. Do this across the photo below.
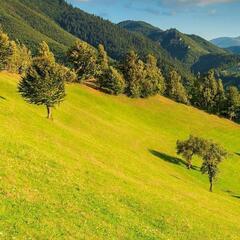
(106, 168)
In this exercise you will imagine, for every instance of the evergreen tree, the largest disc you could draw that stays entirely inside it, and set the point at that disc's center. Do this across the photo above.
(212, 155)
(219, 98)
(5, 50)
(102, 60)
(153, 82)
(207, 91)
(83, 59)
(134, 72)
(43, 83)
(175, 89)
(111, 81)
(232, 103)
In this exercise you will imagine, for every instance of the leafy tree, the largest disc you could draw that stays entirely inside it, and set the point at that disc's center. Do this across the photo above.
(232, 103)
(153, 83)
(43, 83)
(212, 155)
(5, 50)
(111, 81)
(189, 148)
(134, 74)
(83, 58)
(175, 89)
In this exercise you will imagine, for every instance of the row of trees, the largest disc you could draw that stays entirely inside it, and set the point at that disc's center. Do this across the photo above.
(133, 76)
(211, 153)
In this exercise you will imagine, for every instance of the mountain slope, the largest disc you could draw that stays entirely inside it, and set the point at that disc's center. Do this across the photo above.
(57, 22)
(106, 168)
(235, 50)
(186, 48)
(226, 42)
(30, 27)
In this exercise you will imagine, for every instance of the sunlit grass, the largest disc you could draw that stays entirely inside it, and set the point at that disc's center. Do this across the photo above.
(106, 168)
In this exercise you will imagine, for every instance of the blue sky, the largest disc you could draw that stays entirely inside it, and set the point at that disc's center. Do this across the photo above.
(207, 18)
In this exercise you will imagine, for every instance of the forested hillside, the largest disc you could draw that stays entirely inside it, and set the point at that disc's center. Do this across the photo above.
(24, 23)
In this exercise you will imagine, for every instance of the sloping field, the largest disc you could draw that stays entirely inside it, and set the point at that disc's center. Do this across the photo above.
(106, 168)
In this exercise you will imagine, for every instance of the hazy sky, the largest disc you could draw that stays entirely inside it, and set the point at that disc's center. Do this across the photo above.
(207, 18)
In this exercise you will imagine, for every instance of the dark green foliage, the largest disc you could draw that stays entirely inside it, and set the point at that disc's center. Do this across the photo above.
(175, 89)
(134, 74)
(83, 59)
(153, 82)
(43, 83)
(232, 103)
(212, 155)
(111, 81)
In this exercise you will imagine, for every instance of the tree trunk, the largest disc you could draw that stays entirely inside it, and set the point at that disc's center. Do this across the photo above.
(211, 185)
(49, 112)
(189, 165)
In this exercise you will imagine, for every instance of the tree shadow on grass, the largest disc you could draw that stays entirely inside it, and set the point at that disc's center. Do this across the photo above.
(237, 153)
(232, 194)
(170, 159)
(1, 97)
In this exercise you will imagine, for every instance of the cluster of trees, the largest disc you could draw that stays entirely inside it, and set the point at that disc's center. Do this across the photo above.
(133, 76)
(211, 153)
(210, 95)
(14, 57)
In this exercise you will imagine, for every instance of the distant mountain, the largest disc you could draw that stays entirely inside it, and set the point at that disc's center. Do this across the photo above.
(186, 48)
(226, 42)
(235, 49)
(59, 24)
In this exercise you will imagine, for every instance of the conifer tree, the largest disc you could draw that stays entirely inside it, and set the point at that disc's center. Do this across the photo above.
(5, 50)
(111, 81)
(232, 103)
(43, 83)
(83, 59)
(134, 72)
(153, 82)
(175, 89)
(207, 91)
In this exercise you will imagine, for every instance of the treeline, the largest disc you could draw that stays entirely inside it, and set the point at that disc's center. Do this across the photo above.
(133, 76)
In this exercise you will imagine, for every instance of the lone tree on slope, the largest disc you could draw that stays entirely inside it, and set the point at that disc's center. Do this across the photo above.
(43, 83)
(212, 155)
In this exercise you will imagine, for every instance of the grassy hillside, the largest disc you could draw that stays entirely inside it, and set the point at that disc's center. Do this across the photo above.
(106, 168)
(31, 27)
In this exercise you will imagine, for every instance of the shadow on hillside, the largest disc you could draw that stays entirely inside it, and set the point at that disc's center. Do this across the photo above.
(1, 97)
(237, 154)
(236, 196)
(170, 159)
(232, 194)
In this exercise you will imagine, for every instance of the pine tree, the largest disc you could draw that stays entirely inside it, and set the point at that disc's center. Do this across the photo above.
(153, 82)
(5, 50)
(175, 89)
(134, 72)
(232, 103)
(207, 91)
(83, 59)
(111, 81)
(43, 83)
